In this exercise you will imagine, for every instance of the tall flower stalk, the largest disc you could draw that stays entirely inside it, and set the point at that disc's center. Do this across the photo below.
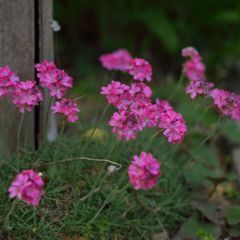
(19, 133)
(4, 126)
(51, 100)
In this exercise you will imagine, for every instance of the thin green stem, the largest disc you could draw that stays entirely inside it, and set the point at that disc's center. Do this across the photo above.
(47, 115)
(6, 221)
(4, 127)
(35, 217)
(153, 137)
(155, 134)
(108, 198)
(191, 154)
(211, 134)
(19, 132)
(79, 98)
(98, 121)
(113, 149)
(101, 208)
(180, 81)
(62, 128)
(95, 127)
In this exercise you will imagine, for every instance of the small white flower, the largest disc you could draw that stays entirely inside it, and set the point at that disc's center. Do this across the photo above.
(55, 26)
(111, 169)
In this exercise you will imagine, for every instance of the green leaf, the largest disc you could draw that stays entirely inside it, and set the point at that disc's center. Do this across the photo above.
(203, 235)
(193, 226)
(227, 16)
(158, 23)
(208, 210)
(231, 131)
(205, 165)
(233, 215)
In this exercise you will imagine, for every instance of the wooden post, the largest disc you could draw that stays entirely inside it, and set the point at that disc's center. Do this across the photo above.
(17, 49)
(26, 38)
(46, 53)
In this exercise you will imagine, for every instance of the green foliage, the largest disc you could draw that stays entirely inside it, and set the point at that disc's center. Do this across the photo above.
(157, 23)
(203, 235)
(233, 215)
(193, 228)
(157, 30)
(81, 199)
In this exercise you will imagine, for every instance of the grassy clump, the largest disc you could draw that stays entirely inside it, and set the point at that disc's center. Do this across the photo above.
(83, 202)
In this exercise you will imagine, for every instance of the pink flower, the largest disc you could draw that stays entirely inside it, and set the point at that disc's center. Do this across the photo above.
(220, 97)
(236, 109)
(140, 97)
(47, 73)
(8, 81)
(147, 115)
(162, 106)
(140, 88)
(191, 52)
(144, 171)
(54, 79)
(135, 108)
(193, 68)
(226, 101)
(140, 69)
(118, 60)
(28, 187)
(136, 111)
(199, 87)
(26, 95)
(125, 125)
(174, 126)
(68, 108)
(116, 94)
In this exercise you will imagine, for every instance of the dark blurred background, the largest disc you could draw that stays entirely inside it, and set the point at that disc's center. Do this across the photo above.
(155, 30)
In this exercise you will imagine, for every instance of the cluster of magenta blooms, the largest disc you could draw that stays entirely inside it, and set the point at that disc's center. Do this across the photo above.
(26, 94)
(134, 110)
(228, 103)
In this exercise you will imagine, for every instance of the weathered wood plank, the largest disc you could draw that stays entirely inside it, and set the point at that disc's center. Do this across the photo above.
(17, 50)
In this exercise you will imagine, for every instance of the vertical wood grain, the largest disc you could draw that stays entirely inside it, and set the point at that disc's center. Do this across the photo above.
(17, 49)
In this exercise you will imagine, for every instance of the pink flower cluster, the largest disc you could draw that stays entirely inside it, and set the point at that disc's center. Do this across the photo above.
(54, 79)
(140, 69)
(28, 187)
(136, 111)
(118, 60)
(144, 171)
(133, 102)
(122, 60)
(228, 103)
(193, 67)
(24, 94)
(8, 81)
(68, 108)
(194, 70)
(58, 82)
(172, 123)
